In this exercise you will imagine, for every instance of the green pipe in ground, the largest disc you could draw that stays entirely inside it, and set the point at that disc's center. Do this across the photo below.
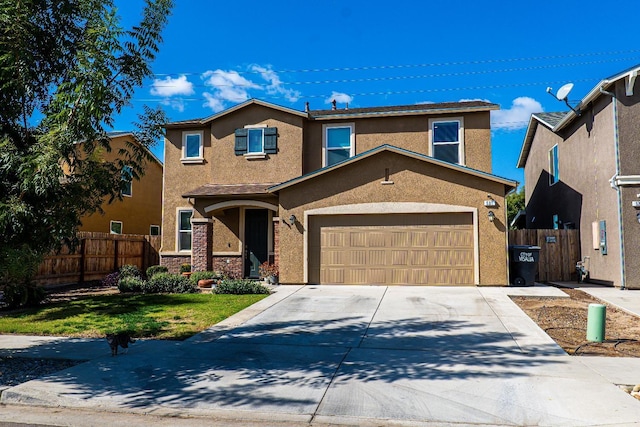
(596, 319)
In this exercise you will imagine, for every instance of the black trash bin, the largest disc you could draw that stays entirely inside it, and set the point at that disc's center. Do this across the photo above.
(523, 264)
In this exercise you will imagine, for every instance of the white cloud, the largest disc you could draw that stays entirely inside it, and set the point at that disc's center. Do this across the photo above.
(275, 86)
(229, 85)
(516, 117)
(175, 103)
(212, 102)
(340, 97)
(169, 87)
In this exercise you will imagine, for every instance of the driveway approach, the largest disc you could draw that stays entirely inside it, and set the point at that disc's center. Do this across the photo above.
(328, 354)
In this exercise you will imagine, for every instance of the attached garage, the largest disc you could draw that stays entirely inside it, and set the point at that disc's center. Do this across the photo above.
(392, 249)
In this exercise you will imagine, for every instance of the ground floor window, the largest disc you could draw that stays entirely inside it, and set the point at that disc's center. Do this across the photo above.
(184, 229)
(115, 227)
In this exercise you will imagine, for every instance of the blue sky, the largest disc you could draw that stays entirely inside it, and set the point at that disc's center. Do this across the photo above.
(370, 53)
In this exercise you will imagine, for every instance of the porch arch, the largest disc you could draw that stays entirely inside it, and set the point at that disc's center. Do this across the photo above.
(241, 203)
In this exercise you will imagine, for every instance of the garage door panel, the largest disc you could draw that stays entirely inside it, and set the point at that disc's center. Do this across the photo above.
(426, 249)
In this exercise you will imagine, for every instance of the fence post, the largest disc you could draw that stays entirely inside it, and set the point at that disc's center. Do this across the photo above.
(115, 255)
(83, 249)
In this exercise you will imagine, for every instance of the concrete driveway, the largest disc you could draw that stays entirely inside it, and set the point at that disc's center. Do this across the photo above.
(328, 354)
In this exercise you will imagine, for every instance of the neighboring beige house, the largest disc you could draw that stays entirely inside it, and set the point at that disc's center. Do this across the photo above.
(399, 195)
(583, 171)
(140, 210)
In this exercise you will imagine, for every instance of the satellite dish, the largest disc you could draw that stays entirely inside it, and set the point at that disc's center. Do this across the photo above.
(563, 92)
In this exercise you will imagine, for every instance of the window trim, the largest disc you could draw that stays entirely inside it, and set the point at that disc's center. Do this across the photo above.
(150, 227)
(352, 139)
(130, 182)
(178, 230)
(461, 144)
(254, 153)
(554, 165)
(111, 227)
(199, 158)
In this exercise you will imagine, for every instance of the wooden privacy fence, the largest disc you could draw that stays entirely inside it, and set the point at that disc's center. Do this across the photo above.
(97, 255)
(559, 252)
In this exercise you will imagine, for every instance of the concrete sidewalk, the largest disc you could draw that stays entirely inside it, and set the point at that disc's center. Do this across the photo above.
(355, 355)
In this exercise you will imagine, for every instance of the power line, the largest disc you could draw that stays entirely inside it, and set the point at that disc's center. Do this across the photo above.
(400, 92)
(415, 77)
(432, 64)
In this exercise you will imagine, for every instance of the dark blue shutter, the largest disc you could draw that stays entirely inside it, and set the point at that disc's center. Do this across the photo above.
(271, 140)
(241, 141)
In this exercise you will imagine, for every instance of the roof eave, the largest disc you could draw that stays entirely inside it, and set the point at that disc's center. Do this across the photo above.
(417, 112)
(507, 182)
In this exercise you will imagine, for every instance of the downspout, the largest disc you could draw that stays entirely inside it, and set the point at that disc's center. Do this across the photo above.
(614, 185)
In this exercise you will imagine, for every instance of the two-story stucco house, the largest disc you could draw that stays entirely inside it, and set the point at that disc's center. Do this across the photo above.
(140, 210)
(582, 171)
(382, 195)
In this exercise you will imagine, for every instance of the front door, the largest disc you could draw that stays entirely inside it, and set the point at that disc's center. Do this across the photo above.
(256, 229)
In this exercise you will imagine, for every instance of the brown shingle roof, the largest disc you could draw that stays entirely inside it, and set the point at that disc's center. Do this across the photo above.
(441, 107)
(229, 190)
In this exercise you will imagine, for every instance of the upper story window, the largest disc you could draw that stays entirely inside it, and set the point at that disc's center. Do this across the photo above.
(337, 143)
(184, 229)
(127, 177)
(192, 147)
(447, 140)
(255, 141)
(554, 168)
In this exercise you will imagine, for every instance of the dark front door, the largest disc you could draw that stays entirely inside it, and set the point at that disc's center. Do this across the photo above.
(256, 229)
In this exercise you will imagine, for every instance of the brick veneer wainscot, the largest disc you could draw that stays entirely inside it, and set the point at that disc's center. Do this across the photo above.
(173, 262)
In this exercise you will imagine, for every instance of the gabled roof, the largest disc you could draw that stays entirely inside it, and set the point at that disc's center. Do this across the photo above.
(393, 149)
(404, 110)
(629, 74)
(549, 120)
(117, 134)
(222, 113)
(557, 121)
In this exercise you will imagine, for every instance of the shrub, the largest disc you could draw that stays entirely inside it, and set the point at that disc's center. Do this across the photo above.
(155, 269)
(202, 275)
(241, 287)
(130, 271)
(130, 284)
(169, 283)
(185, 268)
(111, 279)
(22, 295)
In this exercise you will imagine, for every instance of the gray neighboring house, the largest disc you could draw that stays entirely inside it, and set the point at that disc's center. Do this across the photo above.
(582, 170)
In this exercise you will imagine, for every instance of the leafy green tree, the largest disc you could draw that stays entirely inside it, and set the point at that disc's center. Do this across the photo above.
(515, 203)
(67, 68)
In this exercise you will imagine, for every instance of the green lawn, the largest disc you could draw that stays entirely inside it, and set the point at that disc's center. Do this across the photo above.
(174, 316)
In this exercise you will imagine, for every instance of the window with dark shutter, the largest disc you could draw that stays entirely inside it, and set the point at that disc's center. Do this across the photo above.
(271, 140)
(241, 141)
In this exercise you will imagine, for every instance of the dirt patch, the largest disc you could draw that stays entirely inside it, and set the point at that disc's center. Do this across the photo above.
(565, 320)
(71, 292)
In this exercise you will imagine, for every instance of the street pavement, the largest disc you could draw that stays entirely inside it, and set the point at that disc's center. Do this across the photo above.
(366, 355)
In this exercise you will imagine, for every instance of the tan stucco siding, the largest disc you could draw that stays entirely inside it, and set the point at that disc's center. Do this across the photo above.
(138, 212)
(226, 232)
(629, 138)
(408, 132)
(586, 164)
(414, 181)
(180, 178)
(227, 168)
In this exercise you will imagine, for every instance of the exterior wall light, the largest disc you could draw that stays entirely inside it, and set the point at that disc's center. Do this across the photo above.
(491, 216)
(292, 219)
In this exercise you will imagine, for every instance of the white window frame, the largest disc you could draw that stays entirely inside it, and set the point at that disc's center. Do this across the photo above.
(554, 163)
(461, 150)
(352, 139)
(178, 230)
(111, 223)
(251, 155)
(130, 182)
(199, 158)
(151, 228)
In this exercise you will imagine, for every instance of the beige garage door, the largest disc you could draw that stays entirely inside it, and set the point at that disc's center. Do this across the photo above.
(424, 249)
